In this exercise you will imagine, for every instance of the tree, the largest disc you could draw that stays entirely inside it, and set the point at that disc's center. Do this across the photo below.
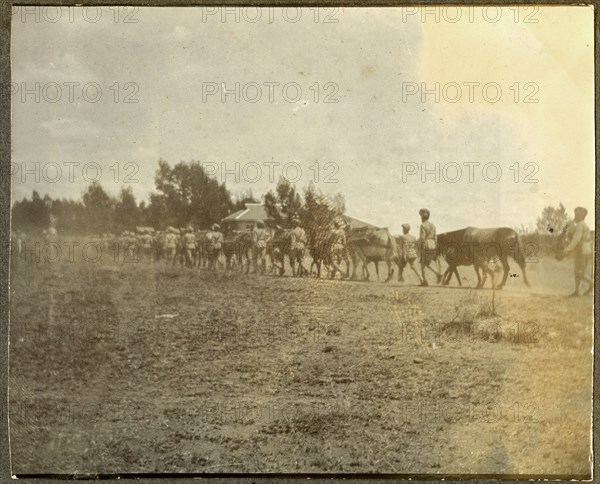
(320, 211)
(144, 214)
(32, 215)
(553, 220)
(188, 195)
(283, 204)
(69, 216)
(127, 213)
(98, 207)
(157, 212)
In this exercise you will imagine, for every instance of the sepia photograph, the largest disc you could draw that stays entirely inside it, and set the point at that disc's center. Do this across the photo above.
(304, 241)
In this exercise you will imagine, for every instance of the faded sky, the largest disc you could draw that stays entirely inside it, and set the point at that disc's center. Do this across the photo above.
(379, 128)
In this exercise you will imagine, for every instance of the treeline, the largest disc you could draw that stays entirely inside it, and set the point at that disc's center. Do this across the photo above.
(184, 195)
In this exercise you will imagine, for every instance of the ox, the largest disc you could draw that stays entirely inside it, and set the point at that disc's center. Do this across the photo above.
(278, 247)
(237, 248)
(372, 245)
(321, 248)
(476, 247)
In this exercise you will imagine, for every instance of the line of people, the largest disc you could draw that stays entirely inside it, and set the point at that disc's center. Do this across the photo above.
(187, 247)
(210, 249)
(333, 244)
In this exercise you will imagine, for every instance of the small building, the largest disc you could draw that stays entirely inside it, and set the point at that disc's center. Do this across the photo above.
(246, 218)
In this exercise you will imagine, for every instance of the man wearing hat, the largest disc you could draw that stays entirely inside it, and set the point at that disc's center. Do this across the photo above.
(409, 252)
(298, 247)
(214, 242)
(260, 237)
(581, 247)
(428, 243)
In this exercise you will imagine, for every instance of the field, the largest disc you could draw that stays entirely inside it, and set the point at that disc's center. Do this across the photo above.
(136, 368)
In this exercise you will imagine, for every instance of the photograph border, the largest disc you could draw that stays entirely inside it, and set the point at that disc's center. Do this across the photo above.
(5, 203)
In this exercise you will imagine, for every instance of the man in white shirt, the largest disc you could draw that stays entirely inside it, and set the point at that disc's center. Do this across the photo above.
(581, 247)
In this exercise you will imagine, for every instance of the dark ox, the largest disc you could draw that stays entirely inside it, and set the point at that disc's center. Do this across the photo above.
(237, 248)
(477, 247)
(280, 246)
(320, 247)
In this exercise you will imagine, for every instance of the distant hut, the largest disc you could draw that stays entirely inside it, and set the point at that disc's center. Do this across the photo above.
(245, 219)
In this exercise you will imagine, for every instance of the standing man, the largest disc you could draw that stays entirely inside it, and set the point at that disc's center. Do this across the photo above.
(170, 245)
(298, 247)
(428, 243)
(200, 259)
(157, 244)
(181, 249)
(189, 246)
(409, 252)
(146, 245)
(338, 248)
(214, 242)
(581, 246)
(260, 237)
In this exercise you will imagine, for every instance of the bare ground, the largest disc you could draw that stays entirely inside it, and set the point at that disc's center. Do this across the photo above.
(137, 368)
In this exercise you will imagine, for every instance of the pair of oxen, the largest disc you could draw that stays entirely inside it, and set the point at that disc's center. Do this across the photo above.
(487, 250)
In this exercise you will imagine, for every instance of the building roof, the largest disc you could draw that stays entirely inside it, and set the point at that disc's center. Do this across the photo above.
(252, 213)
(357, 223)
(256, 211)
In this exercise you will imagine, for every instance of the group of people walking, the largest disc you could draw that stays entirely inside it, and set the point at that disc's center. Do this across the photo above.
(213, 248)
(188, 247)
(332, 245)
